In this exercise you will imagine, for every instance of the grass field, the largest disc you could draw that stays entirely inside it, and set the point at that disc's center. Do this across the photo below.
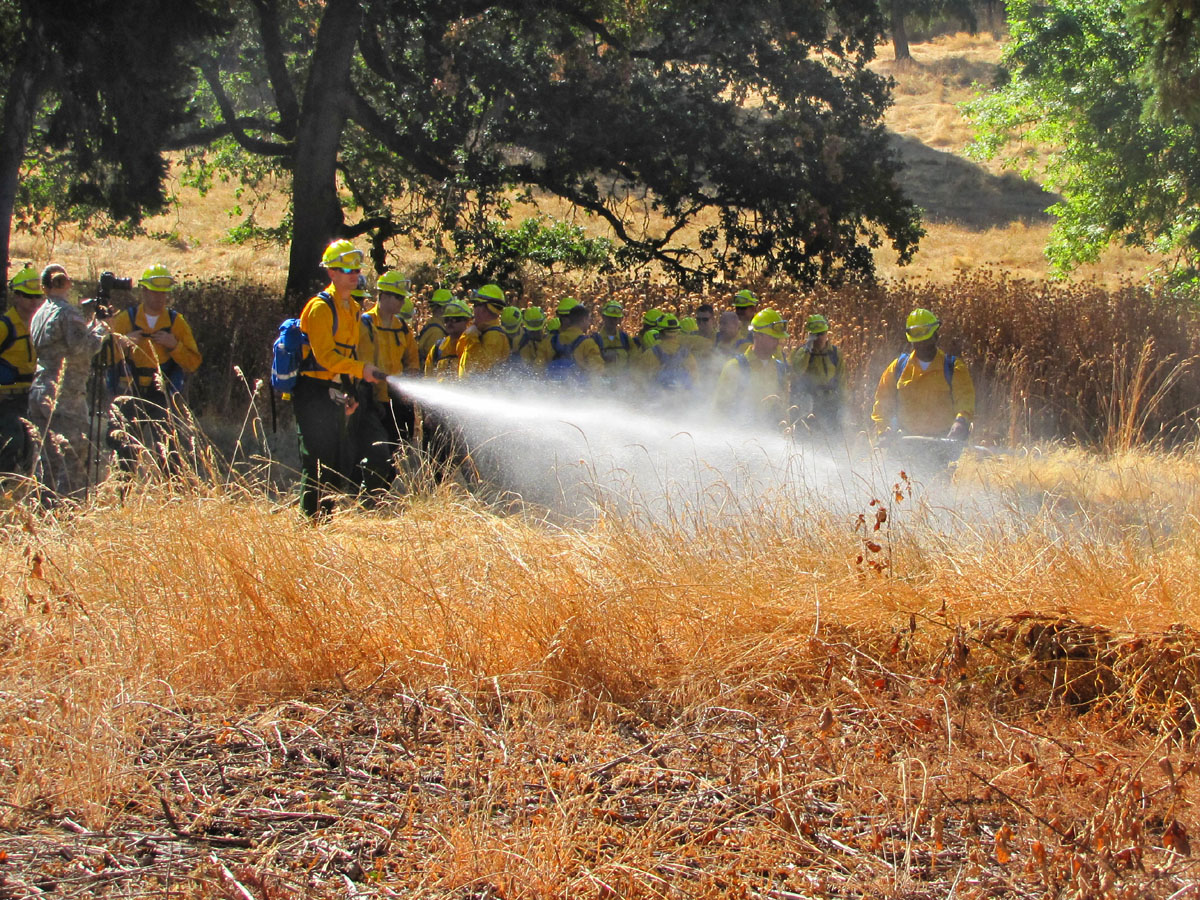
(859, 686)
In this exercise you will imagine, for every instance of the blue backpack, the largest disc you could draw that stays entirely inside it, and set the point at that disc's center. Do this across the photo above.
(287, 353)
(563, 367)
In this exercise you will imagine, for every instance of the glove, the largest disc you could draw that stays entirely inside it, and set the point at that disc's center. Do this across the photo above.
(959, 430)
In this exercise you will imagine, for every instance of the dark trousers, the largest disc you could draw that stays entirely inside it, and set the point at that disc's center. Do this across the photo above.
(334, 447)
(392, 430)
(16, 449)
(143, 424)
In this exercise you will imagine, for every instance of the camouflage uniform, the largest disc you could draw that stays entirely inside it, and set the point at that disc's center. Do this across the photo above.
(58, 400)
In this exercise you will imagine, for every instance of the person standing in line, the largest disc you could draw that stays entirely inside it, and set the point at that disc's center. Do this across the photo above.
(18, 360)
(66, 340)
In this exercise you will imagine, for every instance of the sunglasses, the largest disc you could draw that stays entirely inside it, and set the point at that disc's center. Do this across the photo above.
(703, 319)
(346, 271)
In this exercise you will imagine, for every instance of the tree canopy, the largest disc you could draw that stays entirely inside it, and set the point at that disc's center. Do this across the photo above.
(1110, 87)
(710, 137)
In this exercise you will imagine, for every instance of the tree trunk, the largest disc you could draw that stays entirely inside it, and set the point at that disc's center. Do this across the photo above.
(899, 32)
(317, 213)
(20, 105)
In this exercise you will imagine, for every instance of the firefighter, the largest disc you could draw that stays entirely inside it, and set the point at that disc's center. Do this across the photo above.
(615, 344)
(332, 428)
(534, 345)
(435, 329)
(745, 306)
(484, 345)
(818, 378)
(577, 359)
(752, 390)
(386, 341)
(18, 360)
(924, 392)
(667, 371)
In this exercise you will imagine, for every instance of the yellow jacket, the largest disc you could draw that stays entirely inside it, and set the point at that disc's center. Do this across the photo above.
(390, 347)
(820, 375)
(587, 354)
(536, 351)
(664, 353)
(18, 360)
(616, 351)
(442, 361)
(752, 391)
(147, 357)
(480, 351)
(921, 401)
(432, 332)
(335, 353)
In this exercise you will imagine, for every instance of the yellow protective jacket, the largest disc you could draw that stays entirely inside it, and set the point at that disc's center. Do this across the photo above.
(479, 351)
(616, 350)
(752, 391)
(442, 361)
(587, 354)
(432, 332)
(18, 359)
(336, 354)
(669, 364)
(820, 375)
(389, 346)
(535, 350)
(923, 401)
(148, 358)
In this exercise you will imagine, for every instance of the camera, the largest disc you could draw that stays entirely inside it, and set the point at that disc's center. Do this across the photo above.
(99, 303)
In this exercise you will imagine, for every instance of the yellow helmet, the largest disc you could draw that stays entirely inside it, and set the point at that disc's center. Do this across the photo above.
(407, 308)
(613, 310)
(566, 305)
(816, 324)
(534, 319)
(510, 320)
(745, 297)
(440, 297)
(393, 282)
(921, 325)
(651, 317)
(688, 325)
(490, 296)
(668, 323)
(457, 309)
(342, 254)
(157, 278)
(27, 282)
(553, 324)
(770, 323)
(360, 291)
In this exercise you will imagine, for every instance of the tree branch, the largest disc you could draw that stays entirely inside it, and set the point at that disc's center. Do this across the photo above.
(365, 115)
(212, 75)
(281, 82)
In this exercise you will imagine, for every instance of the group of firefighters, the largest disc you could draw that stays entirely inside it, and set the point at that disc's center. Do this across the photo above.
(351, 424)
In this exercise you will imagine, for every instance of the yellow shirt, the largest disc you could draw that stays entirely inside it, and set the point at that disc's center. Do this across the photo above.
(587, 354)
(388, 346)
(480, 351)
(20, 359)
(670, 346)
(921, 402)
(536, 351)
(752, 391)
(616, 350)
(442, 361)
(335, 353)
(148, 357)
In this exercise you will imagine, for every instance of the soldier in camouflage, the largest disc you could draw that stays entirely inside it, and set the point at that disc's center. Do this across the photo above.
(66, 340)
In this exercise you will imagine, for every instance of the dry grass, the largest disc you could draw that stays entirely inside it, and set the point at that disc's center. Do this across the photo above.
(443, 703)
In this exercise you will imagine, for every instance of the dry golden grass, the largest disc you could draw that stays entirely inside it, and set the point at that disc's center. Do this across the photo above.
(441, 702)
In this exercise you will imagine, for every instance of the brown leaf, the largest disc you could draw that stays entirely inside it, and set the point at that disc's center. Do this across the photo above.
(1175, 837)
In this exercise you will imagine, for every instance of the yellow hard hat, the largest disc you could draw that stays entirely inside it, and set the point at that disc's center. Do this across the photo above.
(440, 297)
(393, 282)
(457, 309)
(360, 291)
(407, 308)
(489, 295)
(745, 297)
(816, 324)
(688, 325)
(554, 323)
(921, 325)
(668, 323)
(770, 323)
(342, 254)
(613, 310)
(157, 278)
(510, 319)
(534, 318)
(27, 281)
(652, 317)
(566, 305)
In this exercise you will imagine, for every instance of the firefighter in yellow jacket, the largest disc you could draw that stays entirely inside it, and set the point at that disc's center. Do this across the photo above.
(924, 392)
(577, 358)
(386, 341)
(484, 345)
(157, 352)
(18, 360)
(752, 389)
(434, 329)
(667, 370)
(534, 344)
(332, 428)
(818, 378)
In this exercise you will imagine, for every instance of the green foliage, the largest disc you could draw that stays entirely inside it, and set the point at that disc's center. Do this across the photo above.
(1081, 111)
(541, 241)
